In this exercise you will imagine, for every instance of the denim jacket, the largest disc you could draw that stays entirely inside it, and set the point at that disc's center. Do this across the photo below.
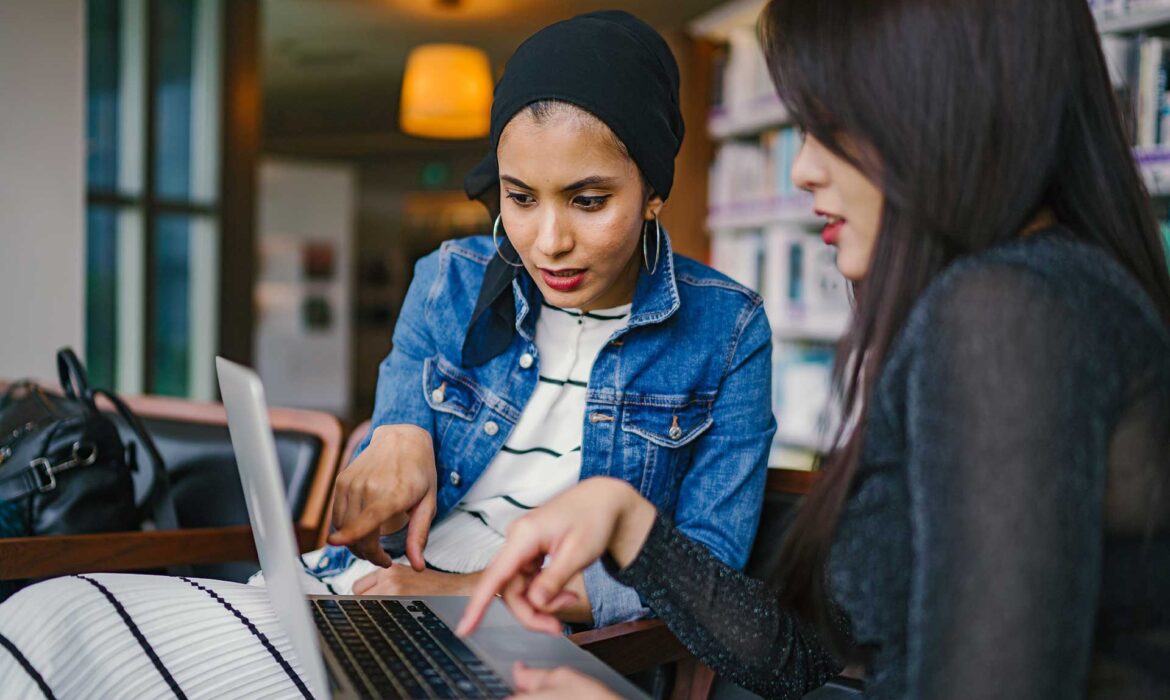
(677, 405)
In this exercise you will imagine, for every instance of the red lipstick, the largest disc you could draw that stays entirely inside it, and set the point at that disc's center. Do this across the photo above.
(563, 280)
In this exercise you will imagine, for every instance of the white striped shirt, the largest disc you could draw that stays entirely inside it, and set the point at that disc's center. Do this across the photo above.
(542, 455)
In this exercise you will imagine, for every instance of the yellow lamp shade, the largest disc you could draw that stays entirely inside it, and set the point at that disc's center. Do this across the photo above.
(446, 92)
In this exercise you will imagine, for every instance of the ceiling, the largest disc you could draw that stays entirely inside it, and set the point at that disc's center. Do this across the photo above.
(333, 68)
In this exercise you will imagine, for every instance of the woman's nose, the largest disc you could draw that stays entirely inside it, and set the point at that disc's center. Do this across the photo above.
(554, 239)
(808, 171)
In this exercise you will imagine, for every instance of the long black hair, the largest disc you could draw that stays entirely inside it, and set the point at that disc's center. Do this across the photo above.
(972, 118)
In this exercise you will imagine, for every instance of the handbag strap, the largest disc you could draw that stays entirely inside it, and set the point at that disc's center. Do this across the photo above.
(38, 476)
(74, 380)
(162, 505)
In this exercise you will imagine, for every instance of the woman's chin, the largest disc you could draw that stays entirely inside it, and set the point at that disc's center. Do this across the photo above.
(850, 269)
(565, 300)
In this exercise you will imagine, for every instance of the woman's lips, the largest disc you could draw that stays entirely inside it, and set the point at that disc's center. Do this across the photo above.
(832, 232)
(563, 280)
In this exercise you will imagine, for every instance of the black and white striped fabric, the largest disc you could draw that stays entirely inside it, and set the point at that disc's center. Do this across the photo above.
(542, 456)
(135, 636)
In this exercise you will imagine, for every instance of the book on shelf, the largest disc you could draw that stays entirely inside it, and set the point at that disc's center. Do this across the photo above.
(746, 80)
(1139, 69)
(719, 56)
(740, 255)
(801, 384)
(754, 172)
(804, 294)
(1109, 9)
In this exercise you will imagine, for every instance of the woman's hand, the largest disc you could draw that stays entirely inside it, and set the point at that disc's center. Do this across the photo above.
(596, 516)
(400, 580)
(556, 683)
(389, 485)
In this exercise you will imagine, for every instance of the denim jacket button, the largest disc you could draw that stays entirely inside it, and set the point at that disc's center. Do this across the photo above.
(526, 360)
(491, 428)
(455, 478)
(675, 432)
(437, 396)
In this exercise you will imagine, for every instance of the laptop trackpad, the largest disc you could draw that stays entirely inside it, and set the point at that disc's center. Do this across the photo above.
(503, 641)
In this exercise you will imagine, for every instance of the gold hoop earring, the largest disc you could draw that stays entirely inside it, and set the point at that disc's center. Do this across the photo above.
(657, 247)
(496, 241)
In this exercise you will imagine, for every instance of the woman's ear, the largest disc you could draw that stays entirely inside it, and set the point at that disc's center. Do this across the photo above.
(653, 207)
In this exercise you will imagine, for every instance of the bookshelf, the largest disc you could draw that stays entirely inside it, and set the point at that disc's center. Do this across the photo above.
(1134, 39)
(1115, 17)
(763, 232)
(791, 208)
(762, 113)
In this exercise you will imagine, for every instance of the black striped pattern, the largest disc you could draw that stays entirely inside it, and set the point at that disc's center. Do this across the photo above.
(284, 664)
(543, 450)
(516, 503)
(563, 382)
(28, 667)
(587, 314)
(158, 664)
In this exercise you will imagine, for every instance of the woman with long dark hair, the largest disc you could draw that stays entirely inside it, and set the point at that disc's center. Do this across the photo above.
(993, 521)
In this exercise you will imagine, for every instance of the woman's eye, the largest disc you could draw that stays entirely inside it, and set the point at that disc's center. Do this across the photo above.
(520, 198)
(590, 202)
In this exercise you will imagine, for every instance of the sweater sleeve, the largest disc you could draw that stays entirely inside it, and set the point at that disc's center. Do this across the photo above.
(730, 621)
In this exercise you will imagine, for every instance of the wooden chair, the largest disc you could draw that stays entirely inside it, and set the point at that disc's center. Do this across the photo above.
(191, 434)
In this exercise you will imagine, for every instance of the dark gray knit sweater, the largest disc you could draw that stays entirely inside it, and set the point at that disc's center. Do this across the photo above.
(1007, 533)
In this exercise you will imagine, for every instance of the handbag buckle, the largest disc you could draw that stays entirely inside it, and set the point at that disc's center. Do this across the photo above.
(43, 473)
(84, 455)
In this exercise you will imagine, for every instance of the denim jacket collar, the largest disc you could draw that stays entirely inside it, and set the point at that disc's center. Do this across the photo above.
(656, 295)
(490, 330)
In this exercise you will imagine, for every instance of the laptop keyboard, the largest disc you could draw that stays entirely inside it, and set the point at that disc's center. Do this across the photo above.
(391, 650)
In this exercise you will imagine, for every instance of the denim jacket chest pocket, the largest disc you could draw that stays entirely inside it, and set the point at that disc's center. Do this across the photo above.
(658, 437)
(456, 401)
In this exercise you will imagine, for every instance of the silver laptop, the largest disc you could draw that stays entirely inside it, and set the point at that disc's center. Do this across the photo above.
(375, 646)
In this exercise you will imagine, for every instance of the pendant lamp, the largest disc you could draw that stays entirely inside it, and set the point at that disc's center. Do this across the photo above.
(446, 92)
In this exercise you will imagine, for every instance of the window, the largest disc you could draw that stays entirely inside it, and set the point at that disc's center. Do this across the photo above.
(153, 179)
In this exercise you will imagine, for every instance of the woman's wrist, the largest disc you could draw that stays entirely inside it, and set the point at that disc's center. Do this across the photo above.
(399, 432)
(635, 520)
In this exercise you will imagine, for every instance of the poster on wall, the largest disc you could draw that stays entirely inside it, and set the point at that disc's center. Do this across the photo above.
(318, 261)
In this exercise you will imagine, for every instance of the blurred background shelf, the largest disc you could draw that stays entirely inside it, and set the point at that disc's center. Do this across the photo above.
(735, 121)
(1133, 20)
(785, 209)
(820, 329)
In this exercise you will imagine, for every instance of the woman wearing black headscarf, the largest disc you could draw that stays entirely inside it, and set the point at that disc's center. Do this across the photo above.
(572, 342)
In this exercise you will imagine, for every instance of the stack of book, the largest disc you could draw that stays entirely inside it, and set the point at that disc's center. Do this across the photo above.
(754, 172)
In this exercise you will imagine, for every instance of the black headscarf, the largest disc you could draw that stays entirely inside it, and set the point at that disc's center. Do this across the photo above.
(614, 66)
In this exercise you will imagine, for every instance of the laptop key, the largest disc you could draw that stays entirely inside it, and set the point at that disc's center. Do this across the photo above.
(407, 649)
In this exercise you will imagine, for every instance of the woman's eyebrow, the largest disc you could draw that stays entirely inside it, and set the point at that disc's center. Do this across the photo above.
(591, 181)
(516, 181)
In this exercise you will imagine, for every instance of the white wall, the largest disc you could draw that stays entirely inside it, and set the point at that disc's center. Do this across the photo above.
(303, 202)
(42, 179)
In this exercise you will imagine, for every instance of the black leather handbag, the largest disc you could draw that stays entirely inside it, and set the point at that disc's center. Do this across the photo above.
(64, 468)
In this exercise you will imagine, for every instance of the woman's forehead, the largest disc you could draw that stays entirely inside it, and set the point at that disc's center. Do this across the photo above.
(561, 150)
